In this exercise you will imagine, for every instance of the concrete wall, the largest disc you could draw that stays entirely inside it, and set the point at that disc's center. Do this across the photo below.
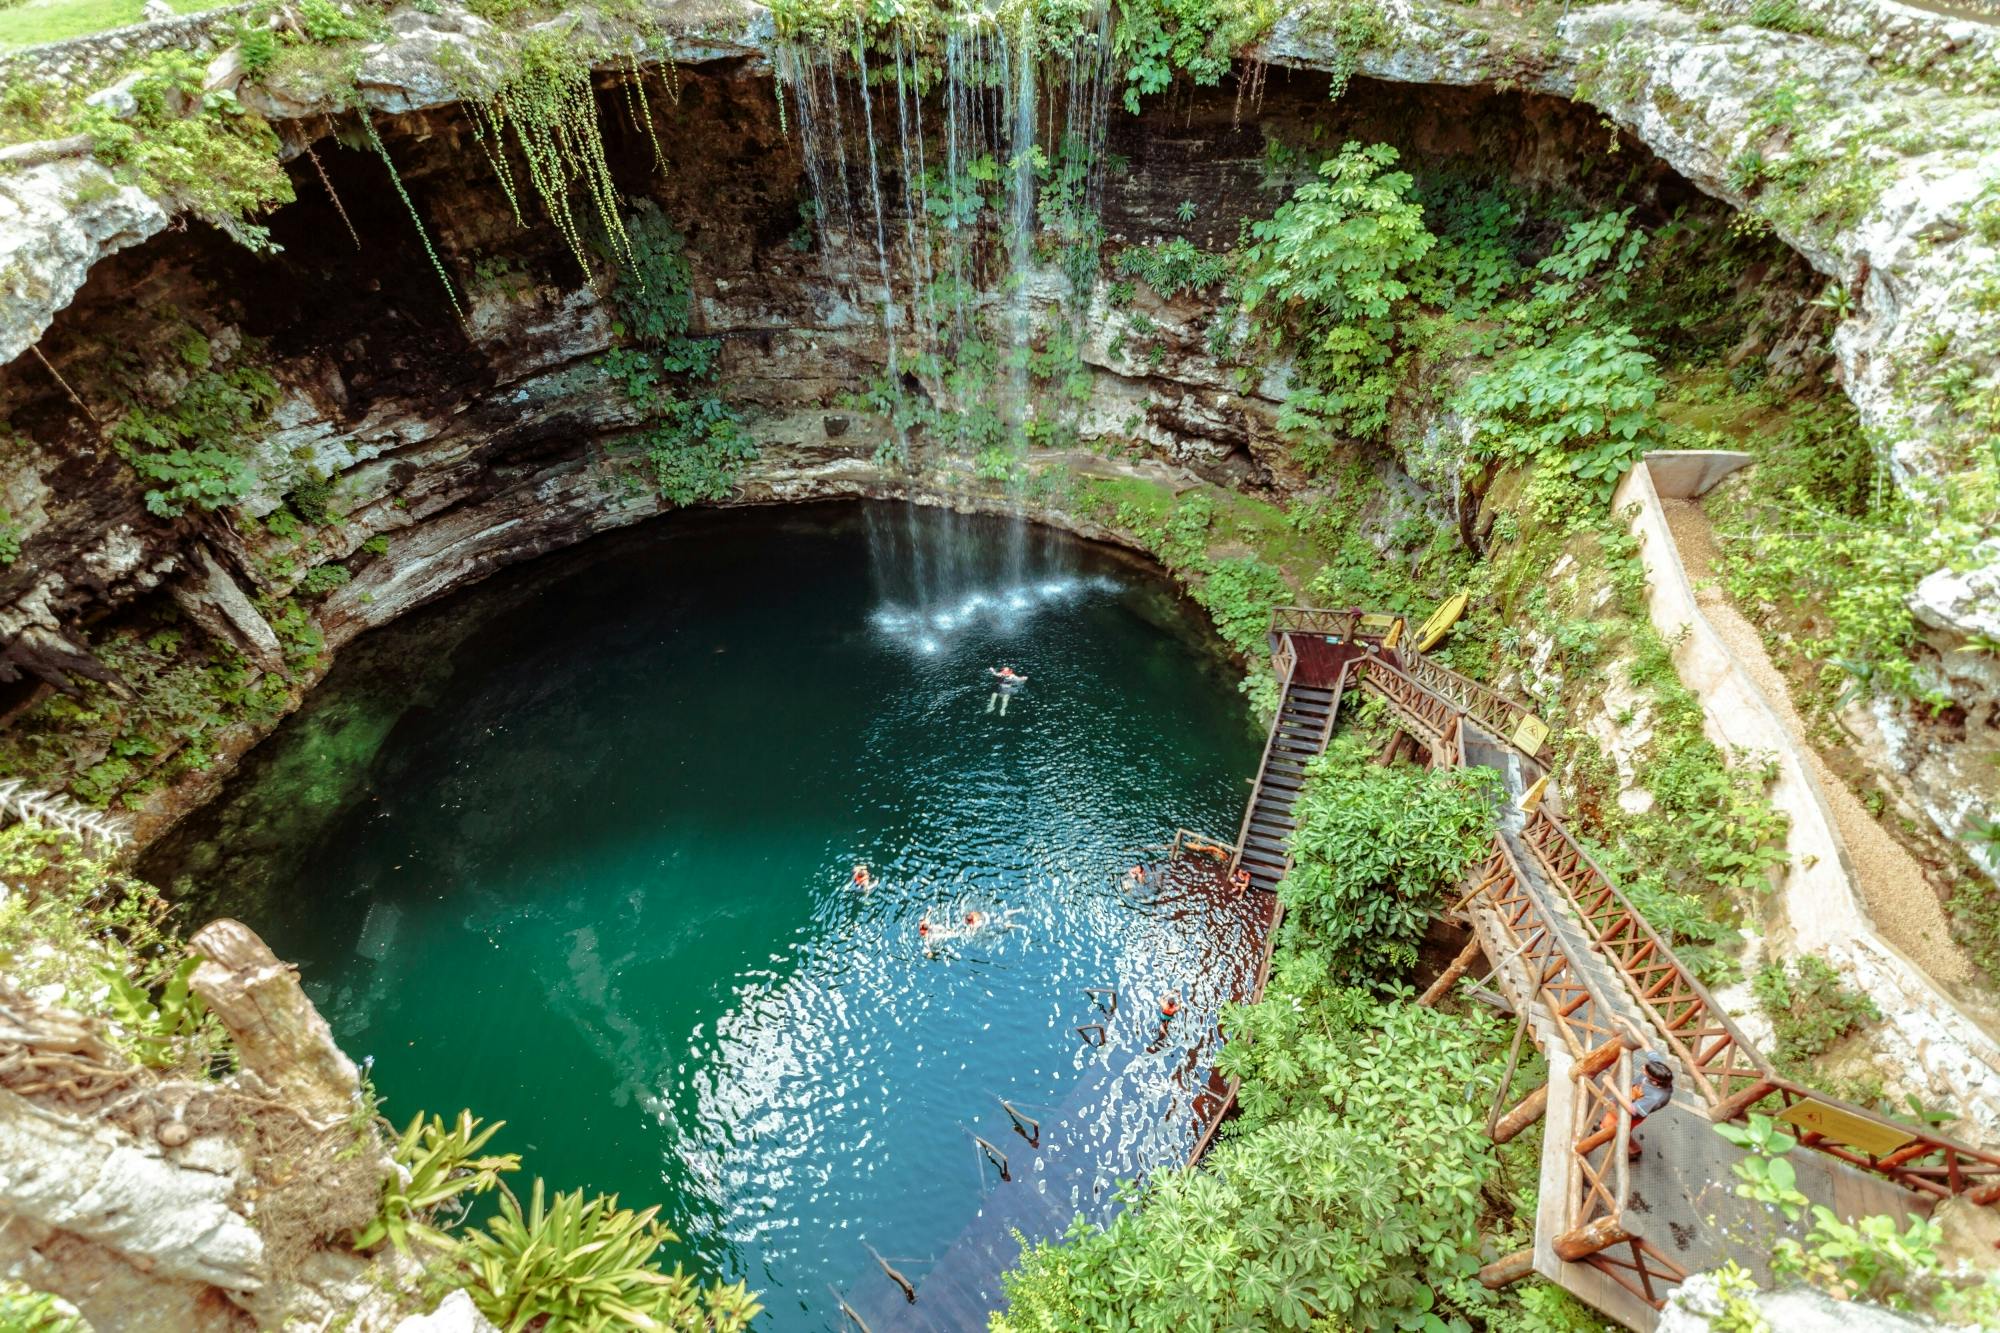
(1922, 1031)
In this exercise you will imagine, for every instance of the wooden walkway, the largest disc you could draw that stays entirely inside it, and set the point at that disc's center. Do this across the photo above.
(1597, 989)
(1600, 992)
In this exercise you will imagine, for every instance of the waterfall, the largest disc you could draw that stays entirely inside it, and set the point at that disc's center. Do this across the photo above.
(1023, 115)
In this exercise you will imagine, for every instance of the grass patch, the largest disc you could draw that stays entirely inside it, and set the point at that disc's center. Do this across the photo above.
(38, 21)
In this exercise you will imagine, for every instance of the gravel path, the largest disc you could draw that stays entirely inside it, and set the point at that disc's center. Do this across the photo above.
(1905, 910)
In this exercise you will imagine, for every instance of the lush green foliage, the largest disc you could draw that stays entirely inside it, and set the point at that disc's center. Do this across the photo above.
(1586, 400)
(1173, 267)
(1349, 1199)
(586, 1265)
(194, 149)
(105, 940)
(1875, 1260)
(197, 450)
(1375, 847)
(1810, 1008)
(442, 1171)
(1161, 39)
(693, 445)
(1330, 273)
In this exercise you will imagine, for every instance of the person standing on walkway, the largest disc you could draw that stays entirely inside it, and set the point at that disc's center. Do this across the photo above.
(1654, 1089)
(1007, 682)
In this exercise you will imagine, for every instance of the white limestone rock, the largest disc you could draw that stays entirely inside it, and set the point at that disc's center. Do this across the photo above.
(455, 1314)
(1697, 1306)
(57, 219)
(1968, 602)
(106, 1186)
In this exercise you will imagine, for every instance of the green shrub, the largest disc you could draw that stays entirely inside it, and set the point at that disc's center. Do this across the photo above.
(1375, 848)
(198, 449)
(1173, 267)
(583, 1264)
(1584, 402)
(323, 579)
(1330, 273)
(1810, 1008)
(1349, 1199)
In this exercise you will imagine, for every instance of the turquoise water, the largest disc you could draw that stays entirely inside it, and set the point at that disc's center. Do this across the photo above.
(573, 849)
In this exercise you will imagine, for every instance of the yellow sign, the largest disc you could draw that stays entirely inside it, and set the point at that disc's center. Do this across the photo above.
(1532, 797)
(1441, 621)
(1395, 633)
(1376, 623)
(1870, 1136)
(1529, 735)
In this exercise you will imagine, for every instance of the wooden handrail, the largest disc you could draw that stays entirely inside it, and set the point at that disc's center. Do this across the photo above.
(1710, 1046)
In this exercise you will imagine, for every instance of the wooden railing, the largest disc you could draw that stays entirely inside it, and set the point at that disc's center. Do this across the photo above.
(1433, 717)
(1490, 708)
(1257, 984)
(1925, 1163)
(1711, 1050)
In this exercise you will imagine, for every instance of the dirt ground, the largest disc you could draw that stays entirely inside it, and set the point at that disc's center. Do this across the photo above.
(1905, 909)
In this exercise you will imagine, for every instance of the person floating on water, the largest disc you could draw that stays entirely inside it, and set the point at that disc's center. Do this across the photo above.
(1137, 874)
(1009, 681)
(862, 879)
(1239, 883)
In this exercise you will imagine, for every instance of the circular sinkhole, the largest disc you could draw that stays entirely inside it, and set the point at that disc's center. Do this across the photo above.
(574, 849)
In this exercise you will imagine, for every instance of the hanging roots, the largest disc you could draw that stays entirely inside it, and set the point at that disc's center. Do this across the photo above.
(334, 195)
(423, 233)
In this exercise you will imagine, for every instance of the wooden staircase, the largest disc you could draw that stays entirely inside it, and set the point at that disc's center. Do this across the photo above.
(1305, 720)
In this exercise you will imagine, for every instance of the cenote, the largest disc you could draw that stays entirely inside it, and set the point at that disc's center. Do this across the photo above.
(573, 849)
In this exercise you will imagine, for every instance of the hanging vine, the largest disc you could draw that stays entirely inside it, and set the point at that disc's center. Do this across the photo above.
(640, 109)
(334, 195)
(423, 233)
(552, 107)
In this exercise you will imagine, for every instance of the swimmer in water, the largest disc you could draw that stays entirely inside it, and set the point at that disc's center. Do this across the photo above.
(1169, 1007)
(862, 879)
(1008, 681)
(1239, 883)
(1137, 874)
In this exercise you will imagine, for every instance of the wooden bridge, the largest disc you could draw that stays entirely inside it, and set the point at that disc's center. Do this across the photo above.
(1595, 987)
(1592, 984)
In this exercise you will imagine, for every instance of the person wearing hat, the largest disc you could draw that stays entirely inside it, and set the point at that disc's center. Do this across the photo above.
(1654, 1090)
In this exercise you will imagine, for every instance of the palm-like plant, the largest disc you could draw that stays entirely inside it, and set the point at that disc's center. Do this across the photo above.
(444, 1170)
(585, 1265)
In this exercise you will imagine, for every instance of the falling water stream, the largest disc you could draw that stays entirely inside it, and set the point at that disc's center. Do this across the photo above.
(573, 849)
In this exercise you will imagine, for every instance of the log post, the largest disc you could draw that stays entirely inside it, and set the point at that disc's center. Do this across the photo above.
(281, 1040)
(1531, 1108)
(1575, 1246)
(1449, 977)
(1501, 1272)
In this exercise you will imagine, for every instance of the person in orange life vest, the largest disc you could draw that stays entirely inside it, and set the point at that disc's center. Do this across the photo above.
(1654, 1089)
(1170, 1006)
(1008, 681)
(862, 879)
(1239, 883)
